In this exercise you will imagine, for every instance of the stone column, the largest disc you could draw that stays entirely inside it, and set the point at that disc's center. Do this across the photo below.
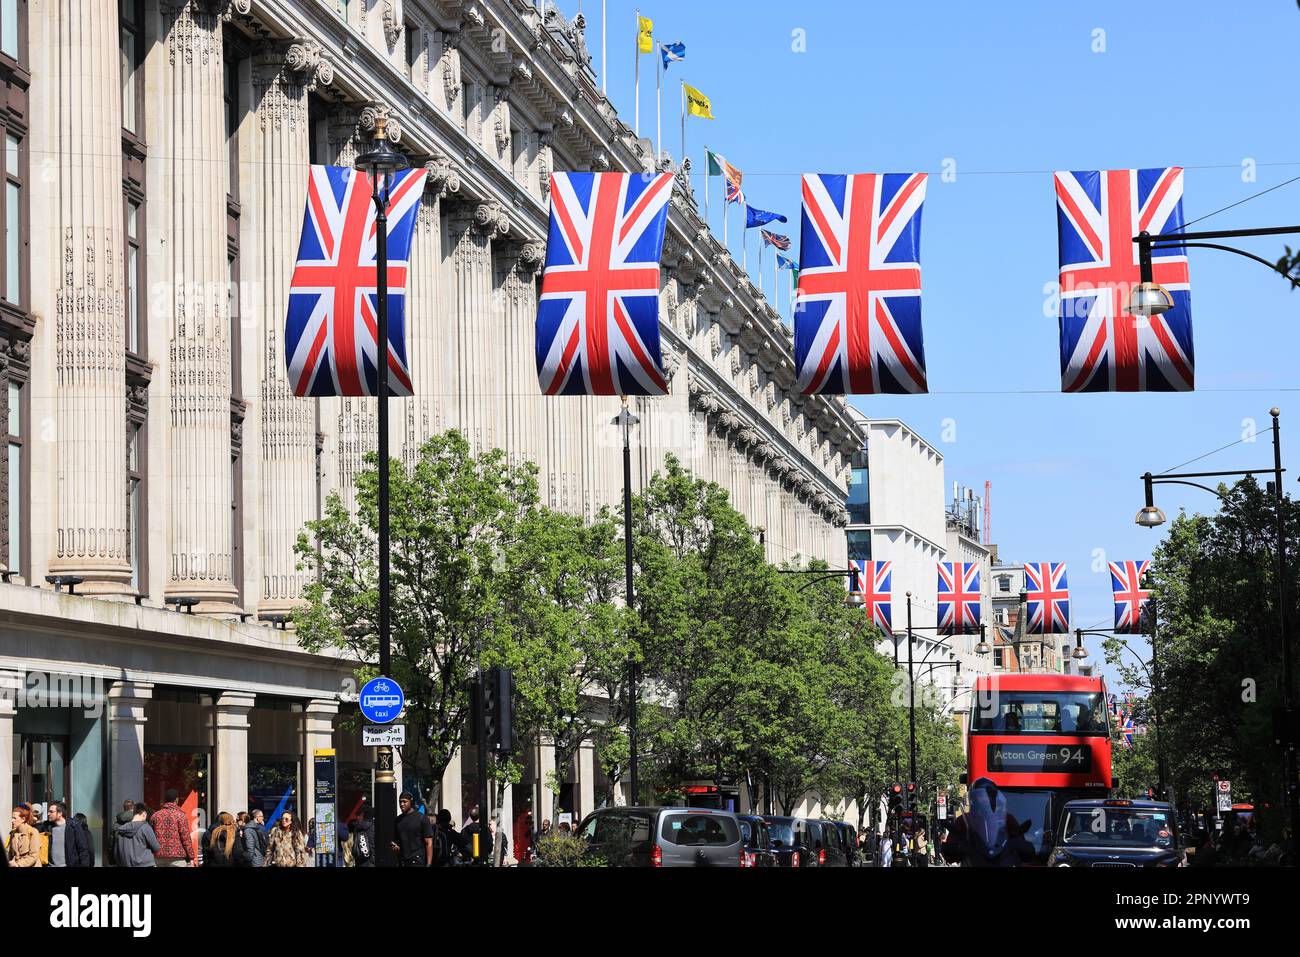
(282, 78)
(428, 325)
(516, 313)
(586, 796)
(317, 733)
(126, 703)
(452, 789)
(193, 264)
(10, 684)
(89, 320)
(232, 708)
(470, 231)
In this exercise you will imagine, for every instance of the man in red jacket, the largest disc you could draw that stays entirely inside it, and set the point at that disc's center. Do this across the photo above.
(172, 827)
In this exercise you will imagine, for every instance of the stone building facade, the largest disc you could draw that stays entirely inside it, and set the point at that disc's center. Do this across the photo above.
(157, 467)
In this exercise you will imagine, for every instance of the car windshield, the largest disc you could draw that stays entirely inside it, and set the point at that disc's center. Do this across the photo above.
(1118, 826)
(782, 835)
(694, 830)
(1040, 712)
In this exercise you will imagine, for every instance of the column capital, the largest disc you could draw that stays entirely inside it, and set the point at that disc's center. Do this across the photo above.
(490, 218)
(235, 702)
(300, 62)
(370, 116)
(443, 176)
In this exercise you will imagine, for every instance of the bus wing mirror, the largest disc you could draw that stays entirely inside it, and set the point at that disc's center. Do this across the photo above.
(961, 779)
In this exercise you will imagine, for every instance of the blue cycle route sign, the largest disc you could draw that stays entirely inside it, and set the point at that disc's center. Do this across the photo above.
(382, 700)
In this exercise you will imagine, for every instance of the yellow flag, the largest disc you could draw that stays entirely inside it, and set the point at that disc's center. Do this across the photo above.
(697, 104)
(644, 34)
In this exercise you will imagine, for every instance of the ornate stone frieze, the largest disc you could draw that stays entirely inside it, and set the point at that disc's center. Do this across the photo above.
(490, 218)
(370, 116)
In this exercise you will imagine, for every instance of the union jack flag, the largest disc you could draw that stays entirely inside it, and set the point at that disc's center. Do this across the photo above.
(1126, 580)
(598, 314)
(858, 311)
(331, 329)
(959, 598)
(1047, 607)
(875, 582)
(1104, 348)
(775, 239)
(1127, 730)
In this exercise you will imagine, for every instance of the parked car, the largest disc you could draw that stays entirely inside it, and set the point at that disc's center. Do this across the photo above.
(664, 837)
(1118, 833)
(827, 844)
(758, 841)
(789, 839)
(849, 841)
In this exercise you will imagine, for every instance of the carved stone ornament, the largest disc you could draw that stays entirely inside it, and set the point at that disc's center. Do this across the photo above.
(566, 119)
(306, 56)
(393, 26)
(370, 117)
(229, 9)
(532, 256)
(491, 218)
(522, 69)
(672, 362)
(729, 421)
(474, 15)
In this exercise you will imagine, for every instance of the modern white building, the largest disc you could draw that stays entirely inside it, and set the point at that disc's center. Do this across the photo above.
(158, 467)
(898, 513)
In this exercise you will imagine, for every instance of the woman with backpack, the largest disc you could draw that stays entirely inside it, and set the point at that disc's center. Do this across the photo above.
(361, 838)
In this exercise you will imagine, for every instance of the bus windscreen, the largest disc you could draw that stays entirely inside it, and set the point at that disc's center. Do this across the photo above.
(1040, 712)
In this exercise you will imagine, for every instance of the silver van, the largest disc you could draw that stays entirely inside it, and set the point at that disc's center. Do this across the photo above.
(663, 837)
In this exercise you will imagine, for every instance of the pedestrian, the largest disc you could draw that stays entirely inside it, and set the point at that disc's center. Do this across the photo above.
(922, 851)
(221, 842)
(134, 842)
(546, 829)
(24, 846)
(286, 845)
(255, 839)
(84, 824)
(886, 857)
(412, 834)
(524, 836)
(69, 840)
(123, 817)
(483, 852)
(362, 830)
(171, 825)
(456, 850)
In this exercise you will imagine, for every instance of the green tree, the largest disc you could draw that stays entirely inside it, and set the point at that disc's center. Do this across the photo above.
(568, 638)
(456, 519)
(1214, 579)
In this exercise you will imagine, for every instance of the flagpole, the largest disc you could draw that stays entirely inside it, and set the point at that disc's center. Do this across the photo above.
(636, 86)
(706, 185)
(683, 82)
(744, 250)
(602, 47)
(659, 112)
(776, 278)
(725, 204)
(761, 244)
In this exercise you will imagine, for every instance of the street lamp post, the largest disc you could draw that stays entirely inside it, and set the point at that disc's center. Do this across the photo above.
(1153, 679)
(625, 420)
(379, 163)
(1150, 516)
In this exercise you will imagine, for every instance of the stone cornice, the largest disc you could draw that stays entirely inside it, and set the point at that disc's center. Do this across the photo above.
(508, 44)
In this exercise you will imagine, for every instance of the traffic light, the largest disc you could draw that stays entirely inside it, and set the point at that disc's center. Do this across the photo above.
(499, 709)
(895, 798)
(911, 795)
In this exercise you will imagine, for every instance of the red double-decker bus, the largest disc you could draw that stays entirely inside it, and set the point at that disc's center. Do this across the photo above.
(1043, 739)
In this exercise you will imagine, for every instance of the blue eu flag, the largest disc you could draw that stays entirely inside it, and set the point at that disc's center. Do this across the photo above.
(760, 217)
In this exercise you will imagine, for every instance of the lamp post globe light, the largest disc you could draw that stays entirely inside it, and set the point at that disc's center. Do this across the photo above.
(379, 163)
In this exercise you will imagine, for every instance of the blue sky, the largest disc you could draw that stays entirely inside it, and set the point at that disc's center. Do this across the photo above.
(1011, 92)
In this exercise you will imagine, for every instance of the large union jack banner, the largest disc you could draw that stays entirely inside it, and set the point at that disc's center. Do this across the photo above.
(1126, 580)
(875, 584)
(1104, 348)
(1047, 605)
(857, 321)
(959, 598)
(332, 325)
(598, 315)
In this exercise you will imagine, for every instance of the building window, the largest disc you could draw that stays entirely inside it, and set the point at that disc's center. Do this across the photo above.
(12, 15)
(134, 275)
(134, 503)
(411, 37)
(13, 220)
(1004, 583)
(131, 56)
(14, 452)
(859, 502)
(859, 546)
(998, 662)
